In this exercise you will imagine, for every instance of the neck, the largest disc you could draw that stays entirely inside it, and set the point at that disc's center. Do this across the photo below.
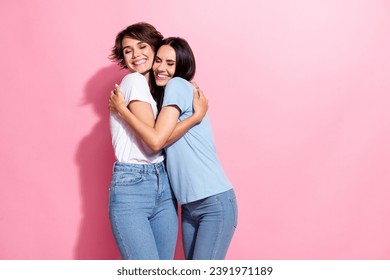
(146, 75)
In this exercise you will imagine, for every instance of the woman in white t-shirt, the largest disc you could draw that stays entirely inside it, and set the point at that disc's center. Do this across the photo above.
(142, 207)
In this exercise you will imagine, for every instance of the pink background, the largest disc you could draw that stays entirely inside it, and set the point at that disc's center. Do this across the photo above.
(299, 101)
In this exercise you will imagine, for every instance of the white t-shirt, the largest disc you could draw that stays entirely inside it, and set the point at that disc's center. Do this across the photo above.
(128, 147)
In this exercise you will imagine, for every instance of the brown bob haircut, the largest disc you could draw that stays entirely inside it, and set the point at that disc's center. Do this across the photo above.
(141, 31)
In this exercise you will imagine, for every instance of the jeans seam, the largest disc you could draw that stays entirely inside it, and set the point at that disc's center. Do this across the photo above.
(214, 252)
(234, 211)
(120, 237)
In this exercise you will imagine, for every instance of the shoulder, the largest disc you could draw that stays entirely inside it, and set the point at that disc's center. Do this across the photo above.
(134, 79)
(179, 83)
(178, 92)
(135, 87)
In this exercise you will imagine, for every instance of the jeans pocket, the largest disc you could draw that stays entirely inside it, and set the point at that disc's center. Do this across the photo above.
(127, 178)
(233, 202)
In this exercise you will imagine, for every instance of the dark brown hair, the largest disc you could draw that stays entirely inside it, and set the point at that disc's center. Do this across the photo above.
(141, 31)
(185, 59)
(185, 65)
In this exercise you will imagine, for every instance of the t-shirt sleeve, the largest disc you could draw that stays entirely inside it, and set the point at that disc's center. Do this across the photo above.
(178, 92)
(135, 87)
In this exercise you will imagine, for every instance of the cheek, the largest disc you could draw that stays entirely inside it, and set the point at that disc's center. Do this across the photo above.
(126, 58)
(150, 64)
(172, 70)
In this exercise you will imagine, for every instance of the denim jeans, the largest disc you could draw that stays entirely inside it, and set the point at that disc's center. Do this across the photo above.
(143, 211)
(208, 226)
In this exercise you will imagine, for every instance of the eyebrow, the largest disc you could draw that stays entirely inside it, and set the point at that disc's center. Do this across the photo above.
(139, 43)
(168, 60)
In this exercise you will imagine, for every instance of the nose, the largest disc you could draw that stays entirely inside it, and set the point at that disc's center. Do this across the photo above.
(136, 53)
(160, 67)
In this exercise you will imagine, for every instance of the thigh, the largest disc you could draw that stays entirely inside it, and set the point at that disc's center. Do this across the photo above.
(131, 203)
(189, 232)
(217, 223)
(134, 237)
(164, 223)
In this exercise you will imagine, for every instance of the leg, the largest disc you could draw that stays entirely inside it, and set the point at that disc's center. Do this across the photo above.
(134, 237)
(217, 222)
(189, 232)
(132, 199)
(164, 222)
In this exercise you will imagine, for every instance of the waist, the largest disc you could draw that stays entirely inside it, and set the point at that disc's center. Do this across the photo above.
(152, 168)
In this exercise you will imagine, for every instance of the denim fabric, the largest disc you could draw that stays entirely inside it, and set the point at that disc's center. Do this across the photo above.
(143, 211)
(208, 226)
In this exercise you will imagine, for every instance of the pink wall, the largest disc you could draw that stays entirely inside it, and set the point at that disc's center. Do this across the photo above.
(299, 101)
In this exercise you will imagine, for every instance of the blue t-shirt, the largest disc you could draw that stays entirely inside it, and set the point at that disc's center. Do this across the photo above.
(192, 164)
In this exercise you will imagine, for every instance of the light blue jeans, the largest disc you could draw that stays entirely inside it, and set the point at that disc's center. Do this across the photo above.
(208, 226)
(143, 211)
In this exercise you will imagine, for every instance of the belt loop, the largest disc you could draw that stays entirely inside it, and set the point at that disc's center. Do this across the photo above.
(155, 165)
(113, 167)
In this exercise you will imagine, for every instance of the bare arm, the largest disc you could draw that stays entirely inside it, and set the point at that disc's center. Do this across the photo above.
(166, 130)
(155, 137)
(141, 109)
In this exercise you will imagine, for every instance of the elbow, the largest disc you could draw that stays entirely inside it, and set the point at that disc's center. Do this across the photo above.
(155, 149)
(156, 145)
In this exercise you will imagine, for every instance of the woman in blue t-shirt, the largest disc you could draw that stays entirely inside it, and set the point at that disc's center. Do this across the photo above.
(208, 202)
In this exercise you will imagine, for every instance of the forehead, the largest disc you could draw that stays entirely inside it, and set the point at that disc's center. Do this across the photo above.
(130, 42)
(166, 52)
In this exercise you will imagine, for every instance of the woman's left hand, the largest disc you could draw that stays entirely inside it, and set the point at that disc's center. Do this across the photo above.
(199, 103)
(116, 102)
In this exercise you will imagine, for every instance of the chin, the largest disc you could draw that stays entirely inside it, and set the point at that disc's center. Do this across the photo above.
(142, 70)
(161, 84)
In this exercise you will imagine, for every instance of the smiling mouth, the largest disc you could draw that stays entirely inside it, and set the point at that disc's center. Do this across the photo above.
(139, 62)
(161, 76)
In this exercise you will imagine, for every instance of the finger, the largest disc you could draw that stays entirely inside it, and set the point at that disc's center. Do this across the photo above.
(196, 89)
(202, 96)
(200, 93)
(196, 93)
(113, 95)
(117, 88)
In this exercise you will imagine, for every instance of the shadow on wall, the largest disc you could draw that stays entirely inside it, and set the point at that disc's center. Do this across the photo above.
(95, 158)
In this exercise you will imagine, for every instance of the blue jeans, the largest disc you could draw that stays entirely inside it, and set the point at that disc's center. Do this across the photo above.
(208, 226)
(143, 211)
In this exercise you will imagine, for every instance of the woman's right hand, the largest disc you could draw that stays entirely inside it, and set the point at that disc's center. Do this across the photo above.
(116, 101)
